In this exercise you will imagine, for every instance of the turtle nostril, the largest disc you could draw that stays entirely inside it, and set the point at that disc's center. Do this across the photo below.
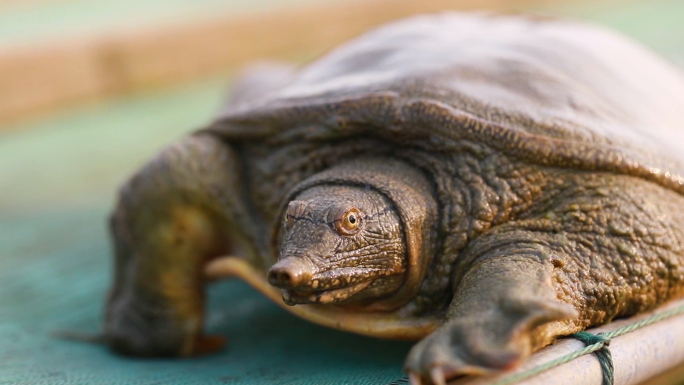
(280, 278)
(283, 277)
(289, 273)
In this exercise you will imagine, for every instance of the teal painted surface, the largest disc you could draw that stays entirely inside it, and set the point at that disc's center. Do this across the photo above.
(56, 279)
(57, 182)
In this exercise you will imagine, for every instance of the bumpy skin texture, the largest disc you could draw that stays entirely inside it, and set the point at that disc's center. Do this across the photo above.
(517, 178)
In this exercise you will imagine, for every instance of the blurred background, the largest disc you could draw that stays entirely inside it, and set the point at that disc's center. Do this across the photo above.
(89, 89)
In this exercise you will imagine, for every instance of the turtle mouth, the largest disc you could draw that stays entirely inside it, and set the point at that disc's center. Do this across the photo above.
(300, 286)
(298, 297)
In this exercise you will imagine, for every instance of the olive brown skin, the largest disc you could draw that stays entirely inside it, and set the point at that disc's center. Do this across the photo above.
(484, 182)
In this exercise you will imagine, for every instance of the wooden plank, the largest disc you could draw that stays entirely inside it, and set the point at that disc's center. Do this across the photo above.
(30, 22)
(42, 78)
(38, 80)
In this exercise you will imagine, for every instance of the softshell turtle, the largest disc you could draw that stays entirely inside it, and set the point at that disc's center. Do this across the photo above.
(481, 183)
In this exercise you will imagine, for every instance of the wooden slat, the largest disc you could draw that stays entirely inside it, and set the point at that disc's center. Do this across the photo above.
(42, 79)
(37, 79)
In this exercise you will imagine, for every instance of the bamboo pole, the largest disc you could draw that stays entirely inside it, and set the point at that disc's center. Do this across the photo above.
(637, 356)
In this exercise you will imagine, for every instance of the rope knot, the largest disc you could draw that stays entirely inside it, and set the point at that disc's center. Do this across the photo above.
(603, 353)
(592, 339)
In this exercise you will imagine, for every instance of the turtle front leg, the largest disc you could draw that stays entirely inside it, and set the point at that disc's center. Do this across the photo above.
(172, 217)
(599, 250)
(505, 306)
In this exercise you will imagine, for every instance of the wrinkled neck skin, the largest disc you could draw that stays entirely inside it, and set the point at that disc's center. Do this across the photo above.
(358, 235)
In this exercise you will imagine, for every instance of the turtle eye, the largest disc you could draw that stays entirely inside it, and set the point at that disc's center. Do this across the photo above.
(288, 221)
(349, 223)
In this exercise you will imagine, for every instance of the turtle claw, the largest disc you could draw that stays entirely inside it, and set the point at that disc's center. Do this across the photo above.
(414, 378)
(437, 375)
(208, 344)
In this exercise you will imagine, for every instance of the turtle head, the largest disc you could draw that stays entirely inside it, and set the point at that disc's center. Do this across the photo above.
(360, 234)
(340, 244)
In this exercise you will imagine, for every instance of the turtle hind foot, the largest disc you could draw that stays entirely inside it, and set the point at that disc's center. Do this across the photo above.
(135, 327)
(163, 345)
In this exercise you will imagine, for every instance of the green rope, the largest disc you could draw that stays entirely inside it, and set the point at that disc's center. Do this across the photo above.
(599, 344)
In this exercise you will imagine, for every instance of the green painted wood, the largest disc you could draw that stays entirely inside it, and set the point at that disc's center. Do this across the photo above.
(57, 182)
(83, 154)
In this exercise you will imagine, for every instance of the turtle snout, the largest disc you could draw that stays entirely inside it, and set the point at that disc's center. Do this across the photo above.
(290, 273)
